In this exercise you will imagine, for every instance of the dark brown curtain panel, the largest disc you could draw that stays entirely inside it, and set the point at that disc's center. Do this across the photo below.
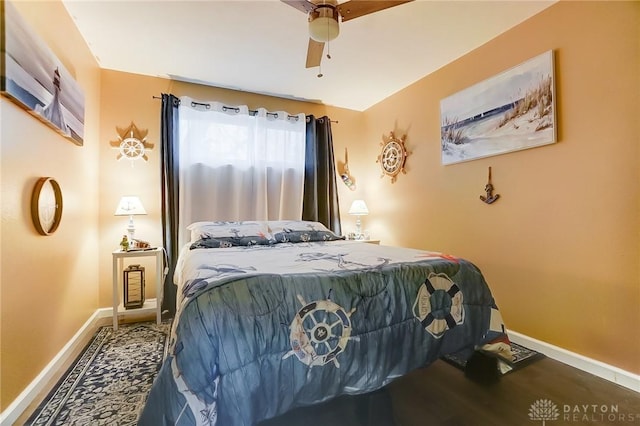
(320, 202)
(170, 196)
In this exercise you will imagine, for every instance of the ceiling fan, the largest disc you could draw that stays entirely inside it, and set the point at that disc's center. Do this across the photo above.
(324, 17)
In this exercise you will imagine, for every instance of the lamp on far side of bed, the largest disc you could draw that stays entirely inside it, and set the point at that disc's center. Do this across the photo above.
(130, 206)
(359, 208)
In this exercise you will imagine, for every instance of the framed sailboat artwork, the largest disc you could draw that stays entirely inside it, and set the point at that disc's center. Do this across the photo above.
(35, 79)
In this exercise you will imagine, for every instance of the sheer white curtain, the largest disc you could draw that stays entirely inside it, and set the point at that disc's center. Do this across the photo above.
(235, 165)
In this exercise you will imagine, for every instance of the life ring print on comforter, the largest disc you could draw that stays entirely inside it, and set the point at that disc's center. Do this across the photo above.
(318, 339)
(438, 305)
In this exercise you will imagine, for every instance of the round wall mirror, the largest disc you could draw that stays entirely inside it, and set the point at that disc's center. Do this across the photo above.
(46, 205)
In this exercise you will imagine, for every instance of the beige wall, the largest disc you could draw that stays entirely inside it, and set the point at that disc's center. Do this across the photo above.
(48, 284)
(560, 248)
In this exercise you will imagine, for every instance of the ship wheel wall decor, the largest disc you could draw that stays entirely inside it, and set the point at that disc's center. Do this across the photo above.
(132, 143)
(393, 156)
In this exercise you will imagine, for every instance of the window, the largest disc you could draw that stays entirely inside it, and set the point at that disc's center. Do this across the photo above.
(235, 165)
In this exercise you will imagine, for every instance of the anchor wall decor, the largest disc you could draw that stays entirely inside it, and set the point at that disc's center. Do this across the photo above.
(490, 198)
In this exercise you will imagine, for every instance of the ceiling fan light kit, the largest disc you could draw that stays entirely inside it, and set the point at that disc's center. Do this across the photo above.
(324, 20)
(323, 23)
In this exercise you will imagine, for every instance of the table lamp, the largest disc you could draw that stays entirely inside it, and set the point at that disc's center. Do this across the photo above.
(359, 208)
(130, 206)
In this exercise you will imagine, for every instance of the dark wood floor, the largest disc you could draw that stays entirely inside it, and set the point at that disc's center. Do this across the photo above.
(441, 395)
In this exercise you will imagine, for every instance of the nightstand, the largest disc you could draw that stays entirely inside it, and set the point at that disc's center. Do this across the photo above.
(364, 241)
(150, 305)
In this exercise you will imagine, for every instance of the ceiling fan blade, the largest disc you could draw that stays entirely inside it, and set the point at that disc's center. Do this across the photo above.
(302, 5)
(314, 53)
(356, 8)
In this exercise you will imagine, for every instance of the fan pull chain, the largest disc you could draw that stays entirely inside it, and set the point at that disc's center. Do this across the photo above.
(328, 57)
(328, 43)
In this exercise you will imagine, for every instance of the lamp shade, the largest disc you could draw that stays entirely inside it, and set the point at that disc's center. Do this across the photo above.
(129, 206)
(359, 208)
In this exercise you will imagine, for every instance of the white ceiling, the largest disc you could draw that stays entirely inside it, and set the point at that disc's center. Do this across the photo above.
(260, 46)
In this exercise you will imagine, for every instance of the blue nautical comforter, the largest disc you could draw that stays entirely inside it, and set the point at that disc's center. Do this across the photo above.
(263, 329)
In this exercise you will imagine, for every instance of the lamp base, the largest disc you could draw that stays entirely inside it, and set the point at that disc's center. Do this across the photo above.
(131, 231)
(359, 235)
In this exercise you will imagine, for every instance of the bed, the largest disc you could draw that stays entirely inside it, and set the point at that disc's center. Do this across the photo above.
(277, 315)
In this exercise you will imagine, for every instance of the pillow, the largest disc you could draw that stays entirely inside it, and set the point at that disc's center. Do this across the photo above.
(243, 229)
(300, 231)
(224, 242)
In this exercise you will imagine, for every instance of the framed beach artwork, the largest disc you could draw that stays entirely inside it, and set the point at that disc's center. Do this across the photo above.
(511, 111)
(35, 79)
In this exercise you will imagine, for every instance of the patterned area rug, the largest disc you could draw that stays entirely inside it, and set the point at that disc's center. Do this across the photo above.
(521, 357)
(109, 382)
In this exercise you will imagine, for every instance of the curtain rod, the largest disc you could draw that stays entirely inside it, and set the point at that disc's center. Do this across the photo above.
(236, 109)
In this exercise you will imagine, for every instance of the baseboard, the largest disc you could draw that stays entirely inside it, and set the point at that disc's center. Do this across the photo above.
(600, 369)
(63, 358)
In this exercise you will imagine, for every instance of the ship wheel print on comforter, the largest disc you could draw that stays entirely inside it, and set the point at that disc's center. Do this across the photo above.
(438, 305)
(320, 331)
